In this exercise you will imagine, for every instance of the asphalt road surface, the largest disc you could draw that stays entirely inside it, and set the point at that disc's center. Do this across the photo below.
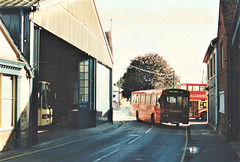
(133, 141)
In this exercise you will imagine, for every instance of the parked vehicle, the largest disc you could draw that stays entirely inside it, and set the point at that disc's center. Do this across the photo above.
(45, 110)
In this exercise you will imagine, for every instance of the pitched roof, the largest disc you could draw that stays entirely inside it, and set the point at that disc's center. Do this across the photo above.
(210, 49)
(83, 28)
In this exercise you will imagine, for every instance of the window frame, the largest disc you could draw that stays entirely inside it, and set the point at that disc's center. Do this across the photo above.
(221, 54)
(222, 102)
(142, 99)
(14, 99)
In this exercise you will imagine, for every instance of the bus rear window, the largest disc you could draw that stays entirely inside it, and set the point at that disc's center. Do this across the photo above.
(174, 102)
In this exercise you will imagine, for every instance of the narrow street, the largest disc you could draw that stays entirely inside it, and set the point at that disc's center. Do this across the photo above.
(132, 141)
(129, 140)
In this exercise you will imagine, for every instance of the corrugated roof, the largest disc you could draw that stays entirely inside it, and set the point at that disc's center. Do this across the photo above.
(18, 3)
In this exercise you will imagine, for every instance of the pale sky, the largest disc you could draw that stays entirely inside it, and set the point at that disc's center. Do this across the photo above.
(179, 30)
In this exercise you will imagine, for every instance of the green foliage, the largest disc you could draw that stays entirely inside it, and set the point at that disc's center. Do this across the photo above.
(150, 71)
(120, 83)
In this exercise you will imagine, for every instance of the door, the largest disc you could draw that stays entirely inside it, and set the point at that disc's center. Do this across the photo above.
(86, 97)
(193, 109)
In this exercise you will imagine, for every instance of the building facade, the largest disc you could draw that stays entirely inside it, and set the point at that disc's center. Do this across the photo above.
(225, 116)
(63, 41)
(234, 76)
(226, 13)
(15, 74)
(210, 59)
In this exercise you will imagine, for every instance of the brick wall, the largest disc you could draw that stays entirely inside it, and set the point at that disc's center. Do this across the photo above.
(222, 72)
(24, 124)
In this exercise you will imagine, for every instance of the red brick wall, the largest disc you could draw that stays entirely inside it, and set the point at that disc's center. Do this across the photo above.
(222, 72)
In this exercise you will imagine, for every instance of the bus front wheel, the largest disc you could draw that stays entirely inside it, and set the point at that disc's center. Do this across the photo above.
(204, 116)
(137, 116)
(152, 120)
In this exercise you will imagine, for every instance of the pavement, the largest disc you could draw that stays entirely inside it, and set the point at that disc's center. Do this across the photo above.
(204, 144)
(57, 135)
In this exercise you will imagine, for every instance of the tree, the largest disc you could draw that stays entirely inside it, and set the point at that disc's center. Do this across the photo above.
(120, 82)
(150, 71)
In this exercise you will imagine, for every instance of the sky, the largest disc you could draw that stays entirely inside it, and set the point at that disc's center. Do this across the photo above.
(178, 30)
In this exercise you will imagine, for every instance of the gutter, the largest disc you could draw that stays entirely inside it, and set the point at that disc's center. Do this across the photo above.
(26, 8)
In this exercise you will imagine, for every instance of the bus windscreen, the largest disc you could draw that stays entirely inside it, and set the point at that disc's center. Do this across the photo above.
(174, 102)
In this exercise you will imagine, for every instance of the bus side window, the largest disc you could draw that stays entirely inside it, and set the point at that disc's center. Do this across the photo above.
(158, 102)
(185, 102)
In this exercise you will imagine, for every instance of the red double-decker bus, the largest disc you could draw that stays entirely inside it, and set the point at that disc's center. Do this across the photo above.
(156, 106)
(198, 100)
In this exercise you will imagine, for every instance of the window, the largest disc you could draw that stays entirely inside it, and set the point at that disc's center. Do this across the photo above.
(222, 102)
(184, 87)
(208, 70)
(8, 100)
(185, 102)
(83, 81)
(153, 99)
(195, 88)
(136, 99)
(213, 64)
(211, 69)
(174, 102)
(148, 97)
(221, 55)
(190, 88)
(142, 99)
(179, 102)
(202, 88)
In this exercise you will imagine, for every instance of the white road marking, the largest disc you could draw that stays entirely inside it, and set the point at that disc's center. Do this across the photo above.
(101, 158)
(134, 140)
(133, 135)
(149, 130)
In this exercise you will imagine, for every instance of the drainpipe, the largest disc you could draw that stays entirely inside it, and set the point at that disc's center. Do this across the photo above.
(229, 85)
(18, 129)
(216, 84)
(22, 30)
(31, 81)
